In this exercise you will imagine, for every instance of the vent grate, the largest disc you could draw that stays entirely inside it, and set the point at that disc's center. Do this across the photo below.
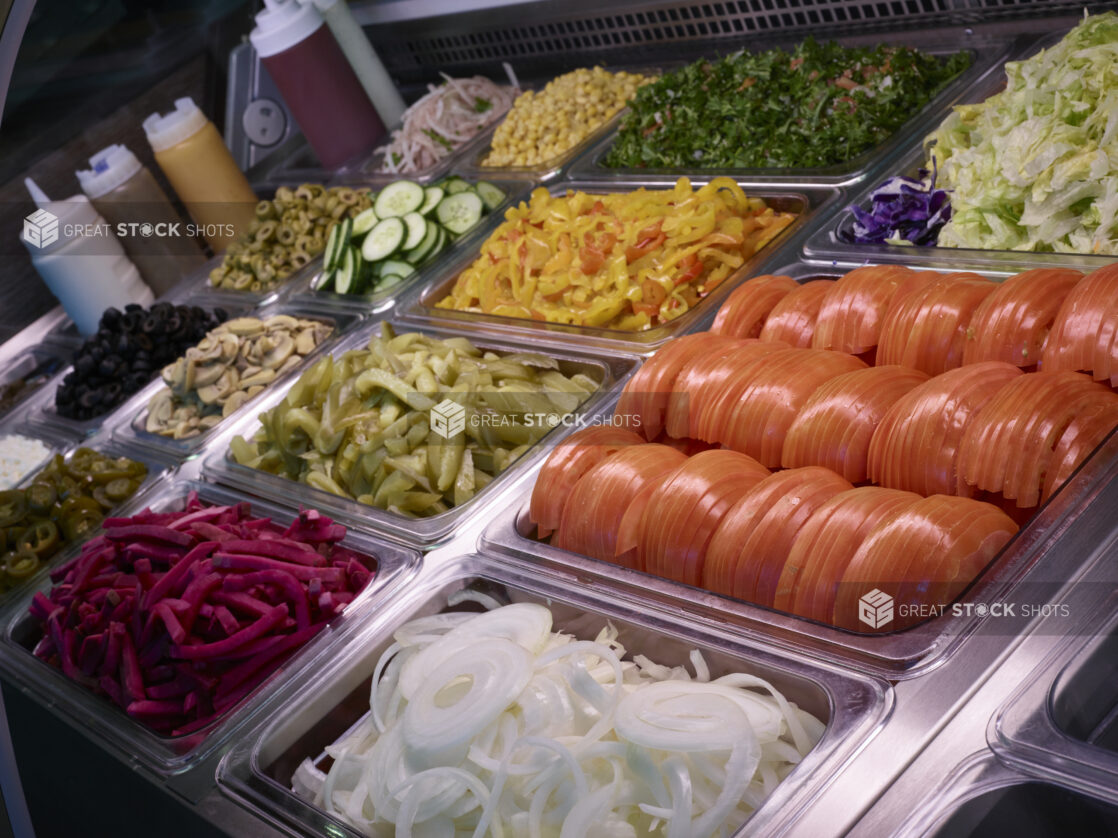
(472, 41)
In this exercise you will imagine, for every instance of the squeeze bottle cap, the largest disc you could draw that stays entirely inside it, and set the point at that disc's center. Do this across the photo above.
(73, 211)
(282, 24)
(111, 167)
(183, 122)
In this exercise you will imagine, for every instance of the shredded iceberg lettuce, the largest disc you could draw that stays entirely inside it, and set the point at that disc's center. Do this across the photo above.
(1035, 167)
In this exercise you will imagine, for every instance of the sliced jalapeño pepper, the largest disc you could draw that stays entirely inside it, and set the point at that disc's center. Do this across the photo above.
(13, 506)
(41, 538)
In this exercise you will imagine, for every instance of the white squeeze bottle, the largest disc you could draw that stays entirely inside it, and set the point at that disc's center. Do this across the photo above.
(362, 58)
(81, 261)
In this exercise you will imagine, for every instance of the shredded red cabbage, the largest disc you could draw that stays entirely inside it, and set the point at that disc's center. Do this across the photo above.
(902, 209)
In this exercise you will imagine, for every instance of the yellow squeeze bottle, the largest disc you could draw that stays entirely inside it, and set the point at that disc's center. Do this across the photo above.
(194, 158)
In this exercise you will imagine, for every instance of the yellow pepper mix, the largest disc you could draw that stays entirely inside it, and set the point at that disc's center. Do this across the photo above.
(627, 261)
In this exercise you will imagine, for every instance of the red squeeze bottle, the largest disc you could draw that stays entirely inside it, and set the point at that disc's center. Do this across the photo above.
(317, 82)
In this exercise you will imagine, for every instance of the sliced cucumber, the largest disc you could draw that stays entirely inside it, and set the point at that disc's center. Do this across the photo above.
(417, 229)
(431, 236)
(454, 185)
(459, 212)
(440, 245)
(490, 195)
(431, 197)
(384, 239)
(336, 242)
(346, 279)
(394, 267)
(388, 281)
(398, 199)
(365, 221)
(323, 281)
(330, 254)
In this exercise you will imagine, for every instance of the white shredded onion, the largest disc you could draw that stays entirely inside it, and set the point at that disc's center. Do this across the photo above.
(447, 116)
(492, 725)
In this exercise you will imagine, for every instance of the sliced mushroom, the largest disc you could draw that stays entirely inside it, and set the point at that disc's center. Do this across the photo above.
(281, 321)
(306, 341)
(234, 402)
(230, 346)
(244, 327)
(174, 373)
(159, 411)
(213, 393)
(261, 378)
(207, 349)
(207, 375)
(282, 347)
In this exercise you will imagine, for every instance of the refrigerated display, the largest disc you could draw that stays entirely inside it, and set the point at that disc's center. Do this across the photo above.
(560, 483)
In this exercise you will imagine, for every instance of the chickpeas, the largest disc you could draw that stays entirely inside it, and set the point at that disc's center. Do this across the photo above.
(541, 125)
(286, 234)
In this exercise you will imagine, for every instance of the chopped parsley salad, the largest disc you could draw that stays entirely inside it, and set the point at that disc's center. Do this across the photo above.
(819, 105)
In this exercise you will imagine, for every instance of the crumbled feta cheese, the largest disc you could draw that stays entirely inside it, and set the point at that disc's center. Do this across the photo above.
(18, 456)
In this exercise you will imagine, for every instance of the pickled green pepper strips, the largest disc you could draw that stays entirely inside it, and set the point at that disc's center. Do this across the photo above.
(819, 105)
(64, 502)
(366, 425)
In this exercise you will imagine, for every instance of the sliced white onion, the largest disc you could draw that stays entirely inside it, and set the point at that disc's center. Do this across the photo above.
(494, 670)
(525, 624)
(492, 724)
(682, 716)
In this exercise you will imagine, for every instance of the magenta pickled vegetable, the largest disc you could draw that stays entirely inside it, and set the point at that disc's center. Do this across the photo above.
(177, 616)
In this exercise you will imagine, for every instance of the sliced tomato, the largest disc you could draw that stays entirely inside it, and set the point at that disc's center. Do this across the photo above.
(765, 407)
(852, 312)
(684, 511)
(1037, 439)
(1075, 331)
(1086, 431)
(1104, 359)
(792, 320)
(1012, 323)
(716, 393)
(748, 550)
(1007, 447)
(744, 313)
(684, 400)
(595, 508)
(645, 397)
(827, 543)
(834, 427)
(915, 447)
(687, 446)
(570, 460)
(927, 329)
(922, 555)
(1108, 366)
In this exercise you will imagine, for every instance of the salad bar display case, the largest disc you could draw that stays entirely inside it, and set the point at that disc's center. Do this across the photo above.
(617, 493)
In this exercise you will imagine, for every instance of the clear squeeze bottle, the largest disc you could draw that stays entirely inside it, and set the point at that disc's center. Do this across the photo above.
(153, 235)
(316, 81)
(363, 59)
(194, 158)
(75, 252)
